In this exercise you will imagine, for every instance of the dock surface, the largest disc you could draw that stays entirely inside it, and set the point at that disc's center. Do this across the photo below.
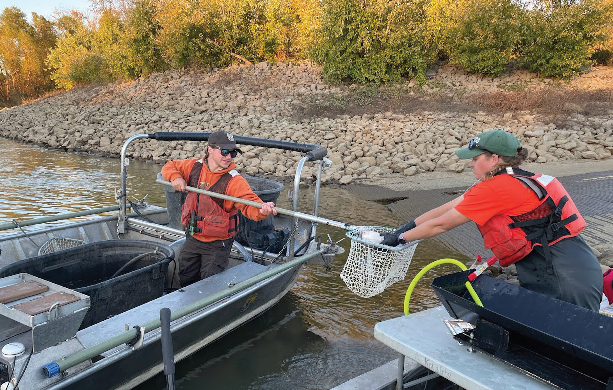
(424, 338)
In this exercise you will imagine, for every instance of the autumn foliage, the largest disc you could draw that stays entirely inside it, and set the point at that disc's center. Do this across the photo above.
(354, 40)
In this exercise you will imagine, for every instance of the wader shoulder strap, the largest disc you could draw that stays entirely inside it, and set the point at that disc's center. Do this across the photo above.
(220, 187)
(194, 174)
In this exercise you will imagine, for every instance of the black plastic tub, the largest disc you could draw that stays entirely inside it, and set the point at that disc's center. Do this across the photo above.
(262, 234)
(562, 343)
(118, 275)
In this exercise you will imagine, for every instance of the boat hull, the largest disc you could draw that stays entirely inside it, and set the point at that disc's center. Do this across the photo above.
(125, 350)
(124, 367)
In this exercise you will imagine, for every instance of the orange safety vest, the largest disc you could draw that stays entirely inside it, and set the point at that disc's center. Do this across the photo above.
(511, 238)
(205, 214)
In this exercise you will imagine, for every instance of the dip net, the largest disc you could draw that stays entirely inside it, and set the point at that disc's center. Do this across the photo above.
(58, 244)
(372, 267)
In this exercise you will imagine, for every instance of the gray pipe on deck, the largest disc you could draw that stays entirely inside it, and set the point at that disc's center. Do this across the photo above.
(58, 217)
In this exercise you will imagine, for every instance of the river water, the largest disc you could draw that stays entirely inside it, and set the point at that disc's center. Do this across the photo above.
(318, 336)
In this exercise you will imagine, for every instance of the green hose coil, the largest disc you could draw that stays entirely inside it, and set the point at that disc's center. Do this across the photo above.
(427, 268)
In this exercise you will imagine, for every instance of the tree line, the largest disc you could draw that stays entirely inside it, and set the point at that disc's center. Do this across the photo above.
(365, 41)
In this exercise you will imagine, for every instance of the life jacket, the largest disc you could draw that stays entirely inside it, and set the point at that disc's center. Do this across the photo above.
(607, 288)
(511, 238)
(205, 214)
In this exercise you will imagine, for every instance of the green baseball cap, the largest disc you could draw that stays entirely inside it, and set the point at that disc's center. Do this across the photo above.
(495, 141)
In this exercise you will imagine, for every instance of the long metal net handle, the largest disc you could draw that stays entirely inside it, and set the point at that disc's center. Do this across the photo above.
(370, 267)
(291, 213)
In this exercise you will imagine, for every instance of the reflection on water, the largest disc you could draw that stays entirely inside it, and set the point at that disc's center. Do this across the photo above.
(317, 337)
(38, 182)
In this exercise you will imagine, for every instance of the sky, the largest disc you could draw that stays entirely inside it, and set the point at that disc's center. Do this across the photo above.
(44, 7)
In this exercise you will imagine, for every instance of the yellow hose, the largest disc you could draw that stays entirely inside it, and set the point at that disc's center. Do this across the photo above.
(427, 268)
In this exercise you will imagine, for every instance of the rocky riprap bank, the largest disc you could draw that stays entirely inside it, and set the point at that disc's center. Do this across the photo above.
(263, 101)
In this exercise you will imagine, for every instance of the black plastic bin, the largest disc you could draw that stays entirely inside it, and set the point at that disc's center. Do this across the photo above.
(261, 234)
(89, 269)
(565, 344)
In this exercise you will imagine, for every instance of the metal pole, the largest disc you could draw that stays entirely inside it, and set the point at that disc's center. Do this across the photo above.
(280, 210)
(320, 168)
(295, 196)
(121, 223)
(58, 217)
(167, 351)
(400, 375)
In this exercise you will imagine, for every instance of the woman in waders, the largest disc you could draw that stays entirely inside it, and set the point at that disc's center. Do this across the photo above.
(526, 219)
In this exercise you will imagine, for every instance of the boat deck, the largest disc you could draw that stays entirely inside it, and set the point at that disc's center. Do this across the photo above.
(151, 310)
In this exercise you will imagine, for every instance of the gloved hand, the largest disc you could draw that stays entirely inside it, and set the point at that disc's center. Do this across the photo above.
(407, 226)
(393, 239)
(390, 239)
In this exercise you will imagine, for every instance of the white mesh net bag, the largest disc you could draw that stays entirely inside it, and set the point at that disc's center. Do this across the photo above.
(57, 244)
(372, 267)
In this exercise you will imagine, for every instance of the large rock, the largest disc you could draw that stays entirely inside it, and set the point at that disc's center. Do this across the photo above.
(292, 103)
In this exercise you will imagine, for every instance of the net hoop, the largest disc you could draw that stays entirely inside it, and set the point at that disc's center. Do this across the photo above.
(371, 267)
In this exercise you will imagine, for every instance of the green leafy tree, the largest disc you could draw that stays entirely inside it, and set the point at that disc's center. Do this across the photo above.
(603, 48)
(216, 33)
(374, 41)
(143, 53)
(443, 17)
(75, 59)
(485, 36)
(558, 40)
(285, 30)
(108, 43)
(190, 33)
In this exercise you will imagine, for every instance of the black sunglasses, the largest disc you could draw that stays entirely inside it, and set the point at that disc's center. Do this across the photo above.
(224, 152)
(474, 144)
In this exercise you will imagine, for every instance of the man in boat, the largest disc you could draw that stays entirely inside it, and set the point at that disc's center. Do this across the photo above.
(211, 222)
(526, 219)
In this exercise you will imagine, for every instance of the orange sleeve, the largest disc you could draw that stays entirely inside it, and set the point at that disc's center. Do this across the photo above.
(239, 188)
(177, 168)
(501, 195)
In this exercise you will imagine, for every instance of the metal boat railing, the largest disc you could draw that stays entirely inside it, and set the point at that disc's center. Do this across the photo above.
(312, 153)
(58, 217)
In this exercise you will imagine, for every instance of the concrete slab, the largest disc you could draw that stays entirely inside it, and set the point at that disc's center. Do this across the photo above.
(382, 377)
